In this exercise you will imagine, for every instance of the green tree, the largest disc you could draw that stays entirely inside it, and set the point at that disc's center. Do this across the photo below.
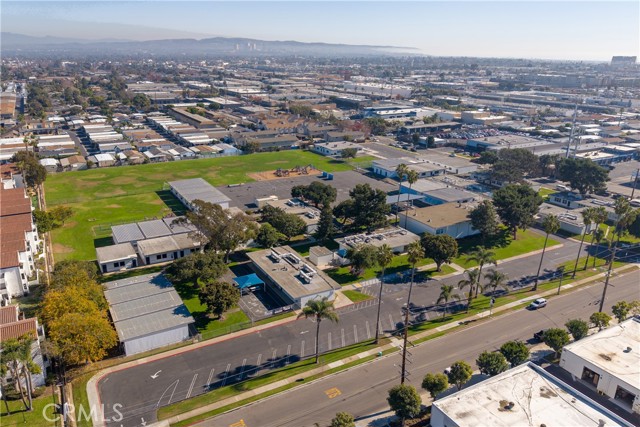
(269, 237)
(517, 206)
(349, 153)
(491, 363)
(319, 310)
(496, 279)
(10, 360)
(28, 366)
(435, 384)
(362, 257)
(405, 401)
(621, 310)
(384, 256)
(578, 328)
(325, 228)
(442, 248)
(401, 173)
(472, 281)
(556, 338)
(378, 125)
(431, 142)
(34, 173)
(446, 294)
(415, 138)
(550, 224)
(481, 256)
(344, 210)
(141, 101)
(343, 419)
(600, 320)
(487, 158)
(513, 165)
(288, 224)
(460, 373)
(596, 239)
(485, 219)
(587, 219)
(516, 352)
(369, 207)
(218, 296)
(583, 175)
(206, 266)
(318, 193)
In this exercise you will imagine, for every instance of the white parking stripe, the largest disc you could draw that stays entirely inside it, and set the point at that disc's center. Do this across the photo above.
(208, 385)
(193, 381)
(355, 332)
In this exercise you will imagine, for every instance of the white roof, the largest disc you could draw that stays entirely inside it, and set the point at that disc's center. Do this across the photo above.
(608, 350)
(538, 399)
(104, 157)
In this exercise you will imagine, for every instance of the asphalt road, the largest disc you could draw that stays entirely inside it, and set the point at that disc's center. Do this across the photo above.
(141, 391)
(362, 391)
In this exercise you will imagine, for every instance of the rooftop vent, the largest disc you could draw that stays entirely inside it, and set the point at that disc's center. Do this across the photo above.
(628, 350)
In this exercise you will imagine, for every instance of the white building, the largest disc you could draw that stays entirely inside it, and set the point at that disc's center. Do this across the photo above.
(334, 149)
(609, 361)
(394, 237)
(188, 190)
(526, 395)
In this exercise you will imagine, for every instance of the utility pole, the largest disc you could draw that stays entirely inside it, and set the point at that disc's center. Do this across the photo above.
(635, 182)
(608, 274)
(403, 374)
(573, 128)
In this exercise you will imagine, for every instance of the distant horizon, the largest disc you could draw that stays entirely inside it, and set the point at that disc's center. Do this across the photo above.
(507, 29)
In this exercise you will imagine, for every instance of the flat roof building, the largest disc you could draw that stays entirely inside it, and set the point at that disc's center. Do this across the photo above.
(609, 361)
(147, 313)
(188, 190)
(449, 218)
(395, 237)
(291, 278)
(526, 395)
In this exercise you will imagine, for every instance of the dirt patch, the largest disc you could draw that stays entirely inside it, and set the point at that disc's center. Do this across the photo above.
(271, 175)
(123, 180)
(114, 206)
(61, 249)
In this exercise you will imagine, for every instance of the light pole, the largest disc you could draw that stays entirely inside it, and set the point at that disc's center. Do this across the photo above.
(561, 270)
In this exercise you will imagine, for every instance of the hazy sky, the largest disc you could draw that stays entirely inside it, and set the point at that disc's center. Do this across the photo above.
(587, 30)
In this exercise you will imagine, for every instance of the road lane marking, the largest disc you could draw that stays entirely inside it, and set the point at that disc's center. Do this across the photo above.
(238, 424)
(391, 322)
(259, 360)
(175, 385)
(329, 340)
(273, 358)
(355, 332)
(342, 332)
(244, 362)
(193, 381)
(332, 392)
(288, 354)
(368, 331)
(226, 374)
(210, 377)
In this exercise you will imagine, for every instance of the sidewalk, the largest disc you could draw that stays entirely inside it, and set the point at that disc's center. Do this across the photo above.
(395, 343)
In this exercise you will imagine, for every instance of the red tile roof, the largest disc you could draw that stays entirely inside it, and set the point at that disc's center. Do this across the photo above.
(18, 329)
(14, 201)
(8, 314)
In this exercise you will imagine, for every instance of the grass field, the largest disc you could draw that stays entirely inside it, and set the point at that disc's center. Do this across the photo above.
(399, 263)
(526, 241)
(104, 197)
(356, 296)
(35, 418)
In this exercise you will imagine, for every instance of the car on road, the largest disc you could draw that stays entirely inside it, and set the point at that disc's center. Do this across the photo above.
(447, 371)
(539, 336)
(538, 303)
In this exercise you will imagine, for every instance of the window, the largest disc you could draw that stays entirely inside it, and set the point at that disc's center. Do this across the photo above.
(164, 256)
(440, 231)
(624, 396)
(115, 264)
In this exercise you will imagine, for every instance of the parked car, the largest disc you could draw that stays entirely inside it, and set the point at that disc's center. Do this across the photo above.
(538, 336)
(538, 303)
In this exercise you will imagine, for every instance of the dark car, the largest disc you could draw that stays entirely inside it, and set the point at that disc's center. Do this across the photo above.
(538, 336)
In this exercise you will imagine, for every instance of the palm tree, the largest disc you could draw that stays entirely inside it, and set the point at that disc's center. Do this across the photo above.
(401, 171)
(415, 253)
(473, 280)
(3, 374)
(482, 256)
(550, 224)
(497, 279)
(599, 217)
(446, 293)
(384, 258)
(319, 309)
(587, 219)
(412, 177)
(11, 353)
(28, 366)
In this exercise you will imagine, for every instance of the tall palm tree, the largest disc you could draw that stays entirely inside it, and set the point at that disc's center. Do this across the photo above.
(550, 224)
(446, 293)
(415, 253)
(11, 353)
(28, 366)
(3, 374)
(497, 279)
(599, 216)
(587, 219)
(401, 171)
(482, 256)
(384, 258)
(472, 280)
(412, 177)
(319, 309)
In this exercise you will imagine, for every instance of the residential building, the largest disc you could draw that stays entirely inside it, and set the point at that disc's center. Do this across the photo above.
(73, 163)
(526, 395)
(147, 313)
(51, 165)
(450, 218)
(19, 244)
(102, 160)
(609, 361)
(290, 278)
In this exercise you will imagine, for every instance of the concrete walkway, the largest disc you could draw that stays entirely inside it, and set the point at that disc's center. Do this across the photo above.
(395, 343)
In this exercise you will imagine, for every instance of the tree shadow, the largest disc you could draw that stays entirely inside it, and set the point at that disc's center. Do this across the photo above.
(103, 241)
(171, 202)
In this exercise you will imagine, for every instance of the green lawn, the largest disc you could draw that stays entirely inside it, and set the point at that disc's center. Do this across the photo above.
(20, 417)
(399, 264)
(104, 197)
(526, 241)
(356, 296)
(546, 192)
(303, 249)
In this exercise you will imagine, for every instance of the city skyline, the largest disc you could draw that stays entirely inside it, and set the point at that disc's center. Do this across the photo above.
(596, 30)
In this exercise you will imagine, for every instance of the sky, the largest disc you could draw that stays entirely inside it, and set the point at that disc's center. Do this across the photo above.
(574, 30)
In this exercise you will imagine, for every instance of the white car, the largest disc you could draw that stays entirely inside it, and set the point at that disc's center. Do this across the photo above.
(538, 303)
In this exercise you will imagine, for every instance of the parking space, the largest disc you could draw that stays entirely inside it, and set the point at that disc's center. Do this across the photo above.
(244, 196)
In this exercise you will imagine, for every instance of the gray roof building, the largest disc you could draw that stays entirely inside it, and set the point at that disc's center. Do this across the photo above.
(188, 190)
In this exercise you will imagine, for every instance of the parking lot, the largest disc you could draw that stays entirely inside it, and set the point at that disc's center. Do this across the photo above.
(243, 196)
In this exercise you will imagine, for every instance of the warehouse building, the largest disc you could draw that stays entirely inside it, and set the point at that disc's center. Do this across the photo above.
(188, 190)
(147, 313)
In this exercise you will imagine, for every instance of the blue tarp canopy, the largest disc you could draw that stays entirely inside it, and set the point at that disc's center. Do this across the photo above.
(248, 281)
